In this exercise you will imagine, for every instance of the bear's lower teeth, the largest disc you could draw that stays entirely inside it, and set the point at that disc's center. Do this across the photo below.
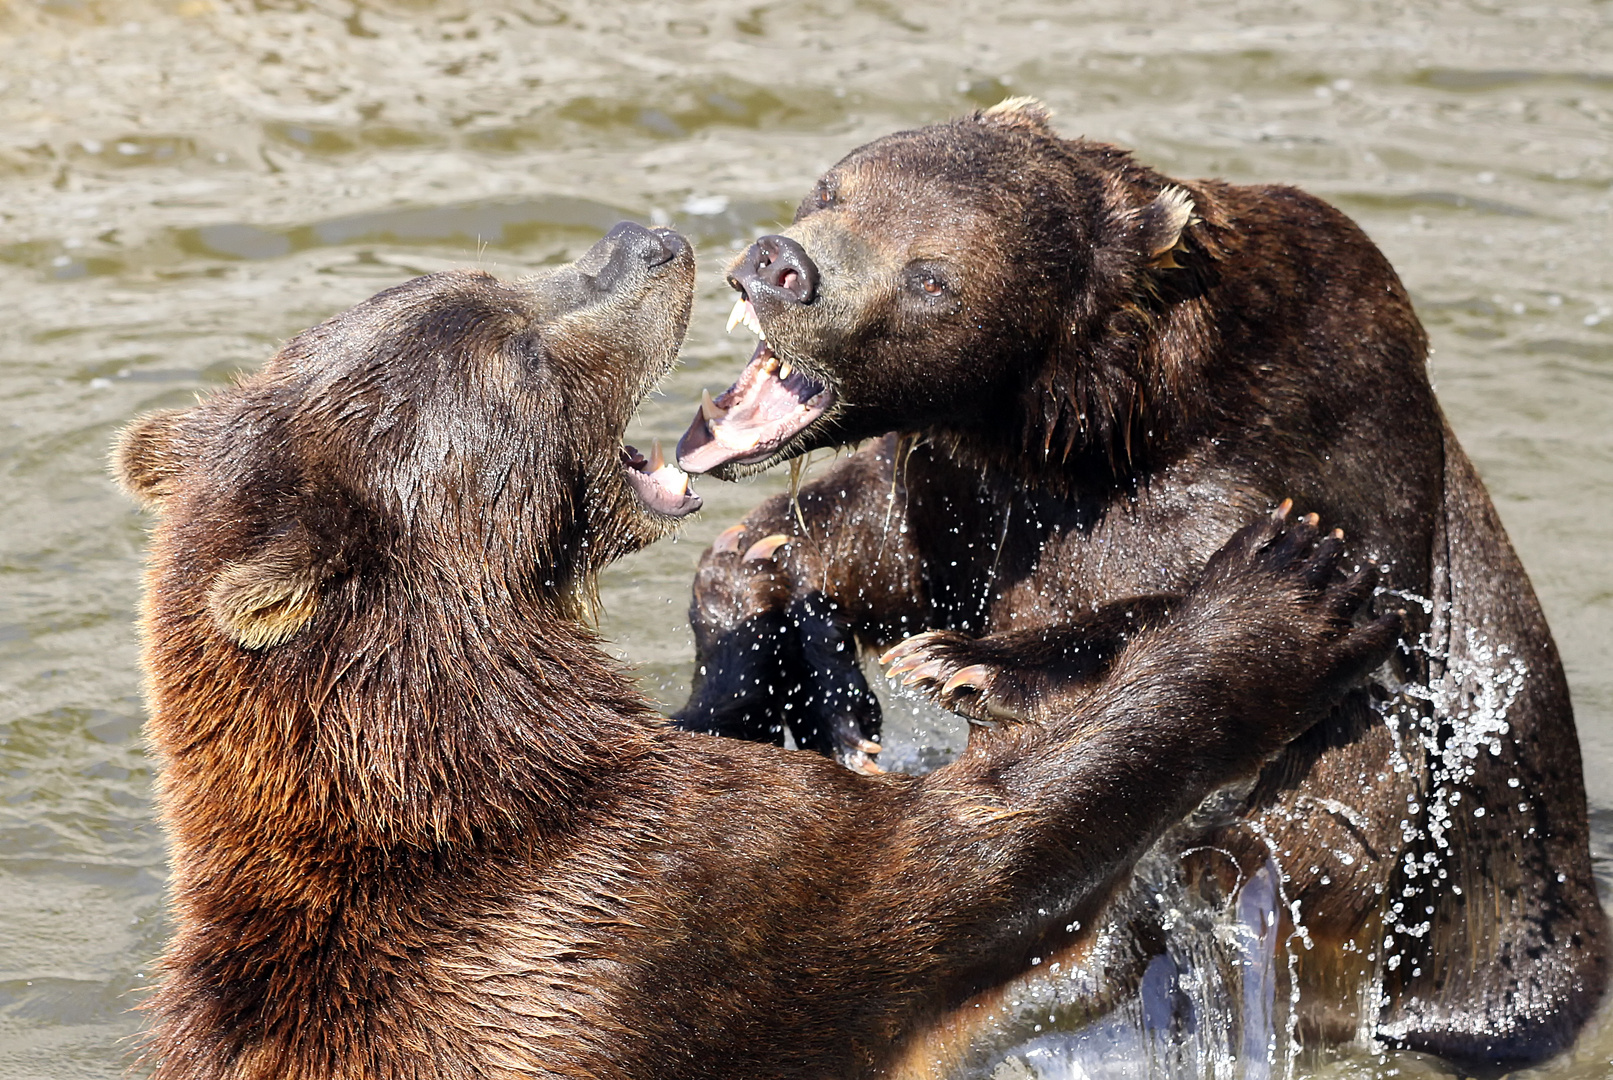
(660, 486)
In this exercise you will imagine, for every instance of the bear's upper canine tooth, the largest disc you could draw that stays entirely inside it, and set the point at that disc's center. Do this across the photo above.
(784, 370)
(657, 457)
(745, 312)
(709, 408)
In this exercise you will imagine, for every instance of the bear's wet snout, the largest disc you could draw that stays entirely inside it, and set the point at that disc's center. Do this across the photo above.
(776, 267)
(628, 247)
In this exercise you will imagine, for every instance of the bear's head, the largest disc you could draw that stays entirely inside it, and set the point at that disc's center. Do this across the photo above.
(453, 435)
(983, 277)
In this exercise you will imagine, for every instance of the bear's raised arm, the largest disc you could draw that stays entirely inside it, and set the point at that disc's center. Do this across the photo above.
(890, 901)
(1254, 652)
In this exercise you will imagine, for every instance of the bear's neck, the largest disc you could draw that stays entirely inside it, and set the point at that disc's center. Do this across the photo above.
(1095, 464)
(1100, 411)
(443, 726)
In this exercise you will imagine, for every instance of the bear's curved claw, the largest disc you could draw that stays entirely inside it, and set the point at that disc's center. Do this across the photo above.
(765, 548)
(727, 542)
(926, 670)
(974, 678)
(907, 646)
(942, 665)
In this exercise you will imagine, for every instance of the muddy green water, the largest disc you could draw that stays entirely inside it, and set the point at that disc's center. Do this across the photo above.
(184, 184)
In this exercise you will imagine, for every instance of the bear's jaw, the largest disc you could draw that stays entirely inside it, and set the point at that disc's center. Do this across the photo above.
(772, 402)
(661, 487)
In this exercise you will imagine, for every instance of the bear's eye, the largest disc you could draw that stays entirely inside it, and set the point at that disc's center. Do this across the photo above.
(928, 282)
(823, 196)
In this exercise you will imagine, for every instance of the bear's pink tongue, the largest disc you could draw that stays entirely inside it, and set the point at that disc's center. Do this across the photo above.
(753, 417)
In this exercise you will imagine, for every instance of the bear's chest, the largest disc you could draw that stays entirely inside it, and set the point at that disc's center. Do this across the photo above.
(1000, 558)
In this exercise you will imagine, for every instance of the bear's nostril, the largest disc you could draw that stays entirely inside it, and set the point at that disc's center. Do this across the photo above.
(781, 266)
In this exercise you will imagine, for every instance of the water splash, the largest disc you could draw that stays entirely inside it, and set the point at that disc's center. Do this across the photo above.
(1207, 1005)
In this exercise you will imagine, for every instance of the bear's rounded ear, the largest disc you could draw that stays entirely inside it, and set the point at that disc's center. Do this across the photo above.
(266, 599)
(147, 455)
(1161, 223)
(1026, 113)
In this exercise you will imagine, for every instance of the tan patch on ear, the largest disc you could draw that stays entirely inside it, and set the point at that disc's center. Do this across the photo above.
(265, 600)
(1162, 223)
(147, 455)
(1021, 112)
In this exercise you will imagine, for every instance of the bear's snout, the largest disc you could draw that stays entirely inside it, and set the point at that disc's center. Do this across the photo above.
(626, 251)
(776, 268)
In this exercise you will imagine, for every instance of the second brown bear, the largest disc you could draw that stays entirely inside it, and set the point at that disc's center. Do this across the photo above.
(1094, 375)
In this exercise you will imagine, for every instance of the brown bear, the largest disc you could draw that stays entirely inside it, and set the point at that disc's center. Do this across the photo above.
(423, 826)
(1093, 373)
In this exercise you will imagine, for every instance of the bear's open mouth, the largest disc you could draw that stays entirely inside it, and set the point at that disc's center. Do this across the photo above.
(772, 401)
(661, 487)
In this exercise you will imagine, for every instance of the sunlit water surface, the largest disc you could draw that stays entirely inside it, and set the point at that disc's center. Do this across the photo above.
(183, 185)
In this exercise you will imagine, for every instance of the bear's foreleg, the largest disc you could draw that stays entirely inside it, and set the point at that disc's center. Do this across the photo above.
(1010, 675)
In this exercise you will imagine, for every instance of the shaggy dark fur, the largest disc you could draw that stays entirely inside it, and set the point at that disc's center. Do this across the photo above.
(1095, 373)
(424, 827)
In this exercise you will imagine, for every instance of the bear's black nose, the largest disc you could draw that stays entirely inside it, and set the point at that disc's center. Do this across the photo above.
(626, 245)
(776, 266)
(654, 246)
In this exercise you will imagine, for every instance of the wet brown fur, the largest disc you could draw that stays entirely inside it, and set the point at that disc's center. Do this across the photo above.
(1102, 392)
(424, 827)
